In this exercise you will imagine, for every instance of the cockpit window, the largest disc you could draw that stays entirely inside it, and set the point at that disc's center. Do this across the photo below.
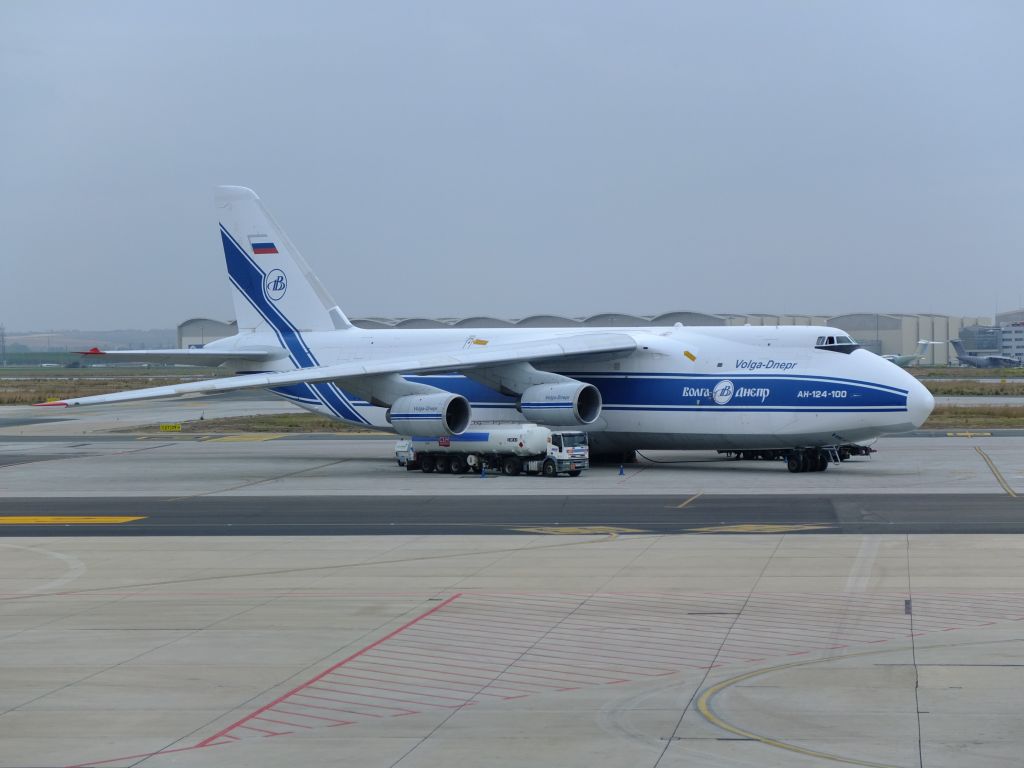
(843, 344)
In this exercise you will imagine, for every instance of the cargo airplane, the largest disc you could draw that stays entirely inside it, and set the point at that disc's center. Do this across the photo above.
(982, 361)
(801, 390)
(904, 360)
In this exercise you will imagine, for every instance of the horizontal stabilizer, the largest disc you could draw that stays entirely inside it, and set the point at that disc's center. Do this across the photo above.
(207, 357)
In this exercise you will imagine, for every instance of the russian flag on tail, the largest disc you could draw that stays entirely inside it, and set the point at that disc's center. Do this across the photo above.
(261, 245)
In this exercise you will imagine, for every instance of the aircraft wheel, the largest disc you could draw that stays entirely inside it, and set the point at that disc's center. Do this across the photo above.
(549, 469)
(427, 463)
(793, 462)
(511, 466)
(822, 463)
(458, 465)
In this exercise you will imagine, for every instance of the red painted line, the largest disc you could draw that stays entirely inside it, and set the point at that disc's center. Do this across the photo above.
(330, 709)
(282, 722)
(403, 674)
(264, 730)
(376, 696)
(356, 655)
(426, 694)
(359, 703)
(557, 659)
(437, 671)
(334, 720)
(429, 692)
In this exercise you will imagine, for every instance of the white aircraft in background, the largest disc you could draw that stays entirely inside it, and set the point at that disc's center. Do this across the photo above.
(904, 360)
(799, 389)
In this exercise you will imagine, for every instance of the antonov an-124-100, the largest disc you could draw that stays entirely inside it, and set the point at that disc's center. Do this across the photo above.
(795, 391)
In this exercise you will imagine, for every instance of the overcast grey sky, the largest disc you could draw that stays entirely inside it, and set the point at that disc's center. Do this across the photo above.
(456, 158)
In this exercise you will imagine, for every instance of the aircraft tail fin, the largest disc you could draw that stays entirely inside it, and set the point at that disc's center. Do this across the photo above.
(272, 285)
(958, 347)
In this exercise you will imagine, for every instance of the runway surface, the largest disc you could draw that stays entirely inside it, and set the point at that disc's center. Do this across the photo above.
(240, 600)
(504, 514)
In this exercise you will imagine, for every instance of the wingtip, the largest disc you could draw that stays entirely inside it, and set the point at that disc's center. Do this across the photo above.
(58, 403)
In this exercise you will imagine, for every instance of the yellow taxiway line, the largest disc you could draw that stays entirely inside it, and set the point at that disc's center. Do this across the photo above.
(996, 473)
(690, 500)
(704, 706)
(65, 519)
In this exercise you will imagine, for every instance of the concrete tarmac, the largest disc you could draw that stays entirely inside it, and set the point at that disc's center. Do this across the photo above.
(236, 602)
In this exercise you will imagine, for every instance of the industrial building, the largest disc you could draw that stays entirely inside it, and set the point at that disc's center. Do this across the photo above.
(198, 331)
(884, 334)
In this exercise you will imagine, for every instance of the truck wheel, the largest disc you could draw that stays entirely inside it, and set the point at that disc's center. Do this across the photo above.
(511, 466)
(458, 465)
(427, 463)
(575, 472)
(549, 469)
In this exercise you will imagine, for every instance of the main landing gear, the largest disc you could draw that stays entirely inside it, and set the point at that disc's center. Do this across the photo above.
(809, 460)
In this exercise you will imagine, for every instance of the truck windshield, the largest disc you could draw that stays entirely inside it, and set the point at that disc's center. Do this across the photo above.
(574, 439)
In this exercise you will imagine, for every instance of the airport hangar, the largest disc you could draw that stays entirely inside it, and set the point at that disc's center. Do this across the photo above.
(884, 334)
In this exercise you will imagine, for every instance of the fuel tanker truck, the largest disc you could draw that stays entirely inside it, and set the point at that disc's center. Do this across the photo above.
(510, 449)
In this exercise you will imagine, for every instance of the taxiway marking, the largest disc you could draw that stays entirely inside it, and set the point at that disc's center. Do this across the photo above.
(706, 709)
(254, 438)
(762, 528)
(995, 471)
(567, 530)
(690, 500)
(65, 519)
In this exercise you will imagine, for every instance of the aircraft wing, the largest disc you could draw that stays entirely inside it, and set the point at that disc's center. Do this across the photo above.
(569, 346)
(208, 357)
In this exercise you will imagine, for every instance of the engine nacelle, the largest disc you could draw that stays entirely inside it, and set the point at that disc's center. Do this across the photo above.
(568, 403)
(430, 415)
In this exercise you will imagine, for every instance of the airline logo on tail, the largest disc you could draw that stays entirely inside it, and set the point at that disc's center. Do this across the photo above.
(276, 285)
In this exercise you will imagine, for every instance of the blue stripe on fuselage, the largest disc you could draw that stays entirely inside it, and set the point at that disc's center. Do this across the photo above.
(671, 392)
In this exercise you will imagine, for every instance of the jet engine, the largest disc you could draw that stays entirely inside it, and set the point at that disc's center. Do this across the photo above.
(569, 403)
(430, 415)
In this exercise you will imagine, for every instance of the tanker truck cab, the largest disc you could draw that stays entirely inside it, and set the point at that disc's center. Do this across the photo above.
(510, 449)
(570, 452)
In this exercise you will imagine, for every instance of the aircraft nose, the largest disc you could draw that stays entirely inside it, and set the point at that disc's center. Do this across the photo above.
(919, 402)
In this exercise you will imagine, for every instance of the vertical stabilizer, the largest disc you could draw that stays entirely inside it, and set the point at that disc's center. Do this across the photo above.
(273, 287)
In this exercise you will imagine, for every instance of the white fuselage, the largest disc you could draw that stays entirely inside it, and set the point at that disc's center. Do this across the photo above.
(719, 387)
